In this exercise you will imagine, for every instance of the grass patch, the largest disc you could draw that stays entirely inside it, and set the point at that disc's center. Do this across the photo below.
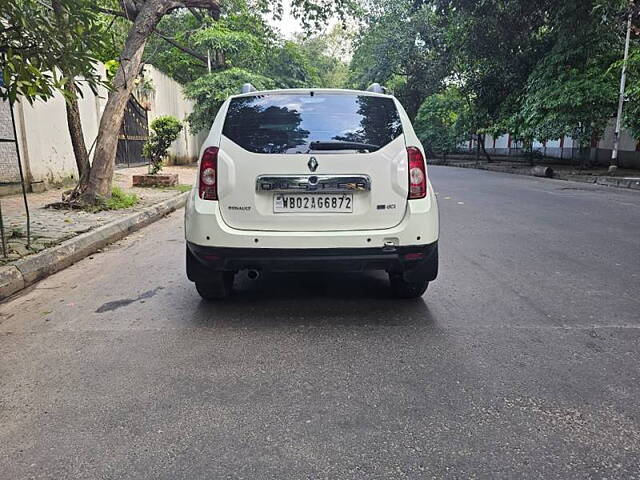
(120, 199)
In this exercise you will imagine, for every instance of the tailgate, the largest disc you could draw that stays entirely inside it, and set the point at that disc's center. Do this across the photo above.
(345, 191)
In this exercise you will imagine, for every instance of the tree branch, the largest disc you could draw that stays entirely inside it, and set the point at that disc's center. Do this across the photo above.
(213, 6)
(196, 14)
(184, 49)
(166, 38)
(115, 13)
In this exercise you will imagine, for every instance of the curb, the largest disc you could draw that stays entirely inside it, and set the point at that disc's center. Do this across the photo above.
(28, 270)
(618, 182)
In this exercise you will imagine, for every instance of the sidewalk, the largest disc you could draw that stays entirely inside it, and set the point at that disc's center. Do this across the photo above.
(50, 226)
(625, 178)
(61, 237)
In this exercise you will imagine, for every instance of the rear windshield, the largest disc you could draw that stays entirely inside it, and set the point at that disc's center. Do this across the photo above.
(292, 123)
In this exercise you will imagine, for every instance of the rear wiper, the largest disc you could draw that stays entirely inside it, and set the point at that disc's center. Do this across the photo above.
(340, 145)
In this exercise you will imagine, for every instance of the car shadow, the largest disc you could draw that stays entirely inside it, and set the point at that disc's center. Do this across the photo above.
(318, 299)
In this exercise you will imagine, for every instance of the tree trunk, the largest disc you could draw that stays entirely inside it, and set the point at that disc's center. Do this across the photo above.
(147, 17)
(123, 83)
(74, 123)
(486, 154)
(77, 136)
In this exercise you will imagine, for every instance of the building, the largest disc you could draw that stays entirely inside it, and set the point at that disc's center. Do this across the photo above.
(567, 150)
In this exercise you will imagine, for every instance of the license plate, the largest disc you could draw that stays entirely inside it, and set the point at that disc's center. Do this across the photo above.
(313, 203)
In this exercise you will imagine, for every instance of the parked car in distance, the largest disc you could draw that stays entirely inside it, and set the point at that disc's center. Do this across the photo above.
(312, 180)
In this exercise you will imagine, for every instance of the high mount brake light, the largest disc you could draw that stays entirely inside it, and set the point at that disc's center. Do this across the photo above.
(209, 174)
(417, 174)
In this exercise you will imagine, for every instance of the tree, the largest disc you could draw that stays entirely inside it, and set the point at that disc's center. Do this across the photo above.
(572, 91)
(145, 15)
(616, 13)
(404, 48)
(73, 41)
(35, 43)
(179, 65)
(534, 68)
(497, 44)
(210, 91)
(442, 121)
(243, 39)
(243, 48)
(325, 55)
(50, 47)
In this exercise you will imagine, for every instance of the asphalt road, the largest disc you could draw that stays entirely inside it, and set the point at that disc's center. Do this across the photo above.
(522, 359)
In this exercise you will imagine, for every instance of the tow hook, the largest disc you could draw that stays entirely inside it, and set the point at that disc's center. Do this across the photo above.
(253, 274)
(389, 247)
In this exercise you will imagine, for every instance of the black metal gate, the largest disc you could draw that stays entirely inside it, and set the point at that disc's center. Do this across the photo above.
(134, 131)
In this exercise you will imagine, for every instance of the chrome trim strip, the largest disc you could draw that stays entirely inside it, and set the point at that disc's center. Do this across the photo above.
(313, 183)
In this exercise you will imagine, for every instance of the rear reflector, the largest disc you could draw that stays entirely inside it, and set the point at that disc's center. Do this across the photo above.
(414, 256)
(209, 174)
(417, 173)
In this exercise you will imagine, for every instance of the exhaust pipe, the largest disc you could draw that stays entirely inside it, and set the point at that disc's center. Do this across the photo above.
(253, 274)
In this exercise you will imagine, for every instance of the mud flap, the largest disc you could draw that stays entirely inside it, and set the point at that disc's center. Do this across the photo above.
(426, 269)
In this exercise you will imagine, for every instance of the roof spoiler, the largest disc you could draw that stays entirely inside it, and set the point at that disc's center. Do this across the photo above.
(247, 88)
(377, 88)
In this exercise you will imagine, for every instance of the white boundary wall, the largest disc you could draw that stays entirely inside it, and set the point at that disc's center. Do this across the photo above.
(168, 99)
(45, 144)
(567, 148)
(627, 142)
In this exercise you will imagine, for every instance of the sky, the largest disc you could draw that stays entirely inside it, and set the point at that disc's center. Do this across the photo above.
(288, 25)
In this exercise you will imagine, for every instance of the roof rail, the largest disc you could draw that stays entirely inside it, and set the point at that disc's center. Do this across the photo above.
(247, 88)
(376, 88)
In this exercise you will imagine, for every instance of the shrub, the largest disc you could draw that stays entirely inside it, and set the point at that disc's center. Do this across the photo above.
(165, 131)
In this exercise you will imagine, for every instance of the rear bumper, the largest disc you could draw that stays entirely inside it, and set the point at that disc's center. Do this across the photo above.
(413, 262)
(205, 226)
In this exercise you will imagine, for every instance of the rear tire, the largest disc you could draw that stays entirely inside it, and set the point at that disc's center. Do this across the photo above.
(217, 287)
(403, 289)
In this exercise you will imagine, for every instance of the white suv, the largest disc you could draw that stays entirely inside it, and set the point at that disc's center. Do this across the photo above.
(312, 180)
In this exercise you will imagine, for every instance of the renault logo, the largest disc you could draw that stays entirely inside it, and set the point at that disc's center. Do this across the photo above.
(313, 164)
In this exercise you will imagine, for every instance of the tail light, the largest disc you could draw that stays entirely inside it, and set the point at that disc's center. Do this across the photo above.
(417, 173)
(209, 174)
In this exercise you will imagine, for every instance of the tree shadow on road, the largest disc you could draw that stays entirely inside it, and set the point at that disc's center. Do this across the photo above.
(318, 299)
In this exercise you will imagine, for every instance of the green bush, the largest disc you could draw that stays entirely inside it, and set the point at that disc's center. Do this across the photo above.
(165, 131)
